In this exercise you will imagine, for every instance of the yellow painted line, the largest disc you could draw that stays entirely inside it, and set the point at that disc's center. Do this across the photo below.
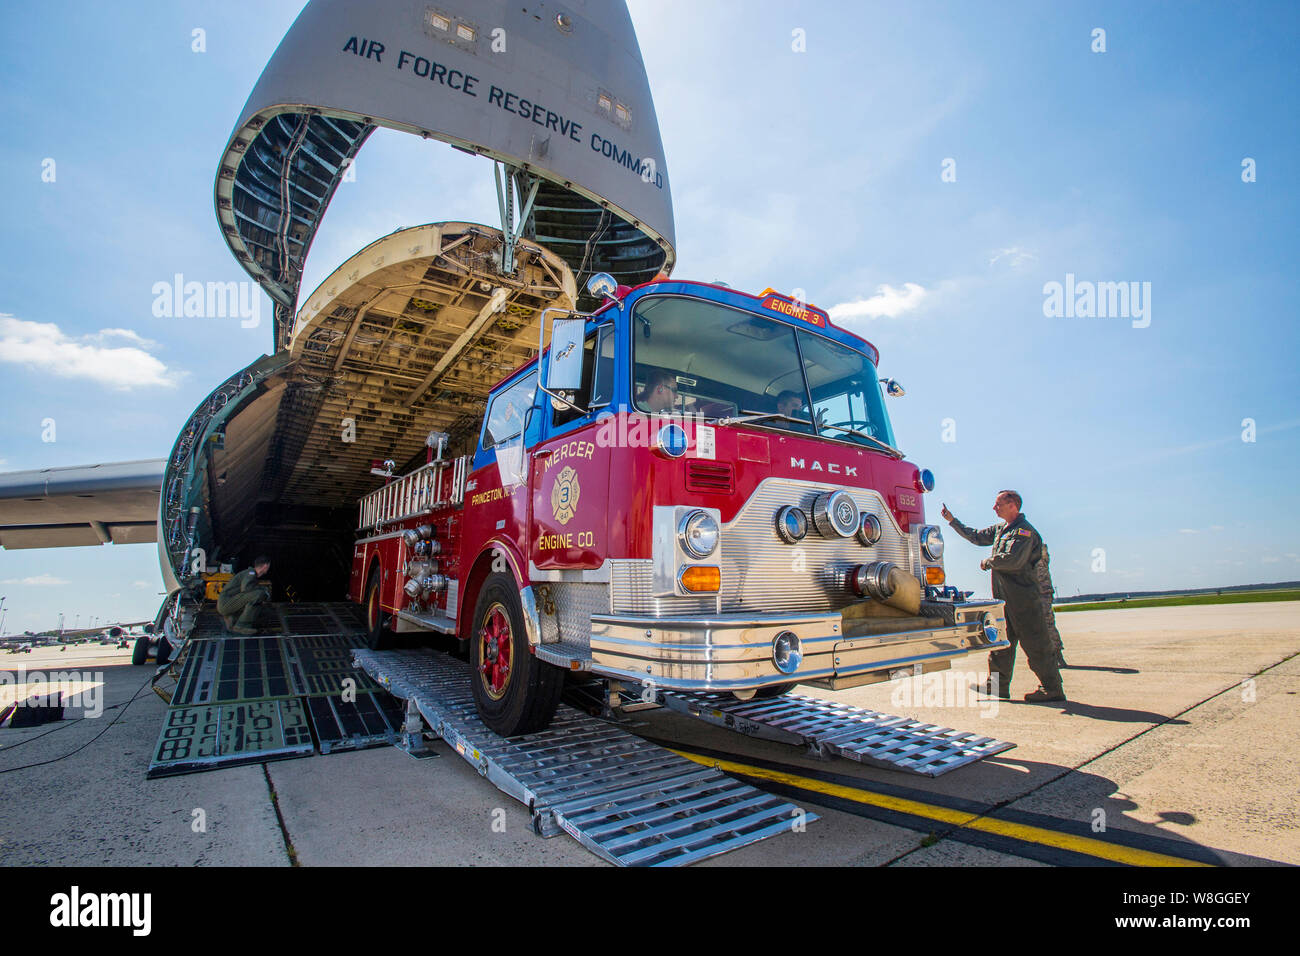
(961, 818)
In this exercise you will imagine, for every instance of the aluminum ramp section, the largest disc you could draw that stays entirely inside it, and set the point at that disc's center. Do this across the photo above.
(284, 693)
(837, 730)
(631, 802)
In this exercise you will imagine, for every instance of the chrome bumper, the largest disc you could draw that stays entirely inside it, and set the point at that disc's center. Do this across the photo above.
(735, 651)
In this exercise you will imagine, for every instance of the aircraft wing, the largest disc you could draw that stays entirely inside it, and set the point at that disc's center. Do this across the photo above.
(82, 505)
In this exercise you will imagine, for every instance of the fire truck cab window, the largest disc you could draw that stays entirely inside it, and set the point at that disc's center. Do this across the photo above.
(722, 360)
(505, 419)
(845, 390)
(725, 361)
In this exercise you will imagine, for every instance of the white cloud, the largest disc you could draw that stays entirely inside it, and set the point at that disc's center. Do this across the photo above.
(888, 302)
(128, 334)
(43, 346)
(1188, 531)
(36, 581)
(1016, 256)
(142, 584)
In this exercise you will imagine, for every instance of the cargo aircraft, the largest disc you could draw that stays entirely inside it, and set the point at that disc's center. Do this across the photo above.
(556, 99)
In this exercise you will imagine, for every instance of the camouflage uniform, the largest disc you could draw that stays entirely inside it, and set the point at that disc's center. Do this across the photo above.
(1017, 549)
(241, 595)
(1044, 575)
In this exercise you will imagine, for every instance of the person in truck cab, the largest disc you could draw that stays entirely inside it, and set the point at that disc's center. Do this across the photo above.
(1017, 550)
(660, 392)
(242, 596)
(790, 404)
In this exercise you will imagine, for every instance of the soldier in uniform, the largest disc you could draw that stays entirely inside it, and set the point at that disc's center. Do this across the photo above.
(242, 595)
(1043, 573)
(1017, 549)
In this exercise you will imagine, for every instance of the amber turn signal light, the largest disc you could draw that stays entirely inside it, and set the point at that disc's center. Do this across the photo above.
(698, 578)
(934, 576)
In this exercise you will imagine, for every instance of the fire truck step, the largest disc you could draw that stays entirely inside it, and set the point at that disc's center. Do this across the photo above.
(631, 802)
(837, 730)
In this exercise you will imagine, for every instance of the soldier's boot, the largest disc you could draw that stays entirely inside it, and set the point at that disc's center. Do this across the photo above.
(998, 685)
(230, 621)
(1044, 696)
(247, 623)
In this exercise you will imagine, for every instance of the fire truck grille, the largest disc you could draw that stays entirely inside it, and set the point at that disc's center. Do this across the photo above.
(710, 478)
(632, 587)
(760, 572)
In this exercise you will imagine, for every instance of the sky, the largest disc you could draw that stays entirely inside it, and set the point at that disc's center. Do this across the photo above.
(925, 171)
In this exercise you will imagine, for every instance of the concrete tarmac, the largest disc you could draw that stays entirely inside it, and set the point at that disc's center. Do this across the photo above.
(1179, 742)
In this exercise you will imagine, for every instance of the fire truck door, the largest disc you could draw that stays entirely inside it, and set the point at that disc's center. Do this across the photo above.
(570, 472)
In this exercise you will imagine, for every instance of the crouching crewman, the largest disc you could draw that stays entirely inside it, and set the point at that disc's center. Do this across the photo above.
(242, 596)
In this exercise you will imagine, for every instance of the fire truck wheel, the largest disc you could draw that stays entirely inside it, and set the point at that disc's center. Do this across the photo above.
(378, 635)
(773, 690)
(515, 692)
(140, 653)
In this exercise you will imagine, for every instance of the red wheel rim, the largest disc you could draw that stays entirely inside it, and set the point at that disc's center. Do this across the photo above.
(494, 652)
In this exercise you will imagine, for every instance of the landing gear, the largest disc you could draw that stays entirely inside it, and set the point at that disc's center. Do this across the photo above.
(140, 653)
(515, 692)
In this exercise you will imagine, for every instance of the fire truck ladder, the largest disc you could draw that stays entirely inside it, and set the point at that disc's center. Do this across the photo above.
(835, 730)
(631, 802)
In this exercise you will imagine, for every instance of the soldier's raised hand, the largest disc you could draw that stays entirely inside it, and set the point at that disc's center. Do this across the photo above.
(947, 515)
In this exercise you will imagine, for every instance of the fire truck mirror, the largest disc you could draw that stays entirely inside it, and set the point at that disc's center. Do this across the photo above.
(564, 372)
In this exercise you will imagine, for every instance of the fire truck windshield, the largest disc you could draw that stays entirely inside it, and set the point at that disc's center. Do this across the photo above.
(695, 357)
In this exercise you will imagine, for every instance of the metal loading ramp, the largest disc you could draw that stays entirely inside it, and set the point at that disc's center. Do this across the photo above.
(629, 801)
(835, 730)
(279, 694)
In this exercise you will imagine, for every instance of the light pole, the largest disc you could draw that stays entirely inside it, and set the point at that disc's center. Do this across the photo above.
(3, 611)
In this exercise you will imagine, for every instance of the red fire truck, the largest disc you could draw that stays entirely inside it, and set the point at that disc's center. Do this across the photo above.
(691, 489)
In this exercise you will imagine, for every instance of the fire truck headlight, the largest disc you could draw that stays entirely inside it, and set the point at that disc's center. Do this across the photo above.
(698, 534)
(931, 543)
(791, 524)
(868, 530)
(787, 652)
